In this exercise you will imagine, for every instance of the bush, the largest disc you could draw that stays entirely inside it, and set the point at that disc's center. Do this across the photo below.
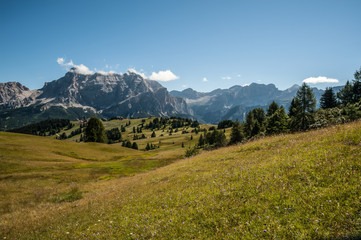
(192, 151)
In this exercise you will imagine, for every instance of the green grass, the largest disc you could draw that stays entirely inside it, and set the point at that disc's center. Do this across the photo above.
(296, 186)
(73, 195)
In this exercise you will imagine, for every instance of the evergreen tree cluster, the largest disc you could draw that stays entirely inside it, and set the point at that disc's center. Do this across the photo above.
(128, 144)
(212, 139)
(150, 146)
(173, 122)
(113, 135)
(45, 128)
(225, 124)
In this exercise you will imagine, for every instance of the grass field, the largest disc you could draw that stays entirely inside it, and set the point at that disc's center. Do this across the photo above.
(296, 186)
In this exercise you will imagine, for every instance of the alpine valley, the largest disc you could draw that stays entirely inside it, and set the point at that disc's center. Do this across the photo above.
(76, 96)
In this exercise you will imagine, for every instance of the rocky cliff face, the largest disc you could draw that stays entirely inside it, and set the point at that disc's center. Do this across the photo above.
(14, 94)
(127, 95)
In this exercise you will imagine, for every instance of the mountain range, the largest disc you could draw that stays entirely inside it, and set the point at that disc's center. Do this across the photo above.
(76, 96)
(235, 102)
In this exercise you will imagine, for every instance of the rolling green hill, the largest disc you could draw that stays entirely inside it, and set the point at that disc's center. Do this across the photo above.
(296, 186)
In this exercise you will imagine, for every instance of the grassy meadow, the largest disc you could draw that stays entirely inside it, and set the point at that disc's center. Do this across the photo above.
(295, 186)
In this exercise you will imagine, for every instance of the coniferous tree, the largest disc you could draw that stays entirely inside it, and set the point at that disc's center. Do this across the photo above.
(237, 134)
(304, 107)
(135, 146)
(273, 107)
(128, 144)
(249, 125)
(255, 122)
(346, 94)
(94, 131)
(328, 99)
(201, 141)
(356, 88)
(153, 135)
(278, 122)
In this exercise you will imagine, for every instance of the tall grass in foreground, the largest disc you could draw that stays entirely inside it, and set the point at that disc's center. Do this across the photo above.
(299, 186)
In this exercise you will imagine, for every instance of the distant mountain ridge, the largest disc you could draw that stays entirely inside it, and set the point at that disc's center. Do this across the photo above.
(128, 95)
(233, 103)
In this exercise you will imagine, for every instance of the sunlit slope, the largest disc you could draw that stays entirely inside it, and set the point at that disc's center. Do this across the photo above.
(297, 186)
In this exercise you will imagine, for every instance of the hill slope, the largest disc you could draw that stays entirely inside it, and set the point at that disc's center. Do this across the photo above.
(299, 186)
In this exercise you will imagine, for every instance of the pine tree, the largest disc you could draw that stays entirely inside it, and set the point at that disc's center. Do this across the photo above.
(249, 125)
(356, 88)
(135, 146)
(201, 141)
(278, 122)
(237, 134)
(147, 147)
(128, 144)
(346, 94)
(94, 131)
(328, 99)
(182, 144)
(273, 107)
(303, 108)
(153, 135)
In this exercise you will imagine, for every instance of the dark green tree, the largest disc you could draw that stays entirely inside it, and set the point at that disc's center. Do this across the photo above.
(357, 87)
(94, 131)
(153, 134)
(237, 134)
(273, 107)
(260, 116)
(135, 145)
(255, 122)
(219, 138)
(346, 94)
(305, 106)
(201, 141)
(278, 122)
(328, 99)
(249, 124)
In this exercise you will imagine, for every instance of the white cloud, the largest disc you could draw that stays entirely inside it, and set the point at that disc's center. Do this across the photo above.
(60, 61)
(226, 78)
(106, 73)
(80, 69)
(245, 85)
(163, 76)
(205, 79)
(320, 79)
(132, 70)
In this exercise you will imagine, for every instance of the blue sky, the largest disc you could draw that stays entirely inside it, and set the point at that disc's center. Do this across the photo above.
(205, 44)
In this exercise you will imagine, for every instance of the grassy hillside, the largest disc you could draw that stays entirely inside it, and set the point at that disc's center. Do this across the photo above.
(299, 186)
